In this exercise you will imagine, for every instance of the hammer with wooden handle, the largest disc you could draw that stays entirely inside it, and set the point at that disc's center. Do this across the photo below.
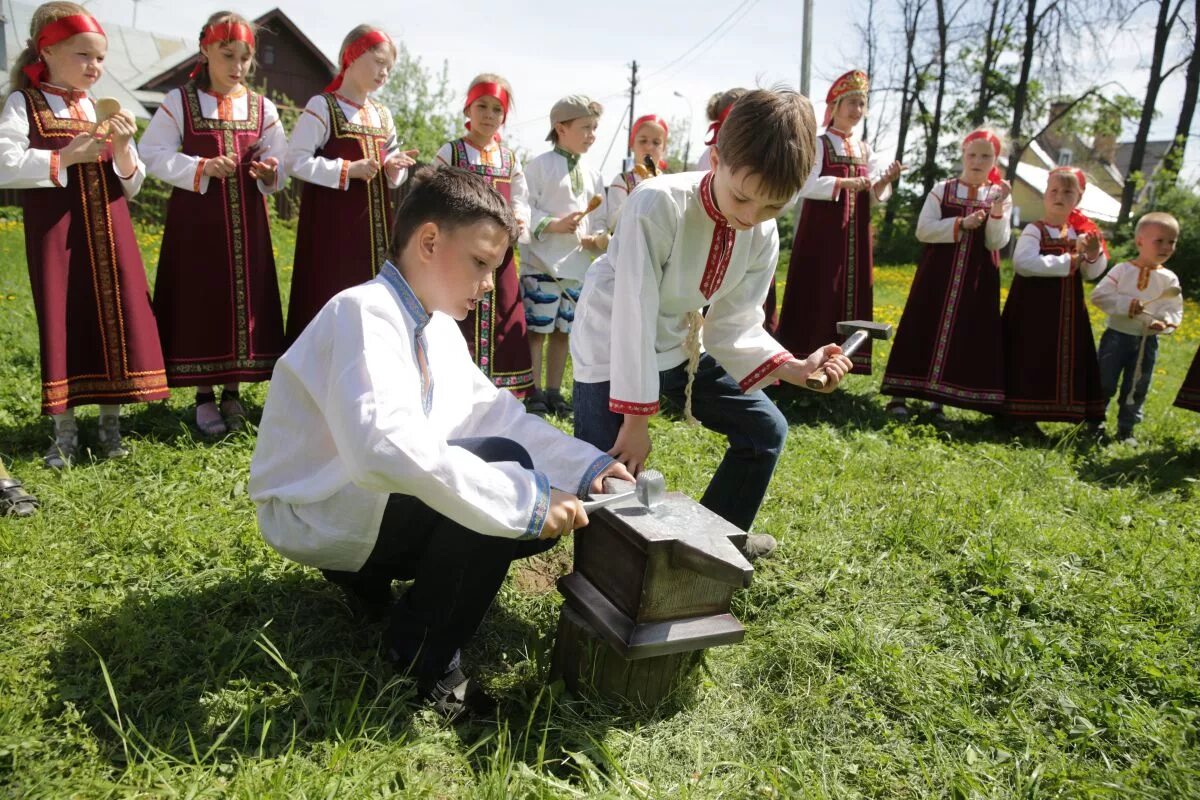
(859, 331)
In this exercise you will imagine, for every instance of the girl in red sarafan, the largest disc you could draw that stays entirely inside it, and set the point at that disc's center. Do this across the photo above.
(344, 149)
(948, 348)
(1049, 352)
(217, 297)
(830, 276)
(1189, 393)
(99, 343)
(496, 330)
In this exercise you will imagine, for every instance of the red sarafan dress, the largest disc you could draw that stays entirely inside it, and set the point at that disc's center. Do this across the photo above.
(345, 225)
(496, 331)
(1189, 393)
(831, 274)
(948, 347)
(1052, 374)
(216, 296)
(99, 342)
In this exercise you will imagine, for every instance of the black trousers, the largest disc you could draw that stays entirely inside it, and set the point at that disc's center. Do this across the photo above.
(455, 573)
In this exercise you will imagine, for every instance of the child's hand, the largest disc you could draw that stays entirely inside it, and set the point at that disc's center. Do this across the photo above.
(615, 470)
(1089, 245)
(892, 173)
(565, 515)
(220, 167)
(1158, 325)
(633, 443)
(120, 129)
(81, 150)
(401, 159)
(365, 169)
(567, 224)
(597, 243)
(972, 221)
(1136, 307)
(860, 184)
(265, 171)
(830, 359)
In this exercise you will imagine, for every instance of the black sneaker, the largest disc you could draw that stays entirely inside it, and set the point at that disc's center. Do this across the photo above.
(456, 696)
(535, 402)
(558, 404)
(1125, 436)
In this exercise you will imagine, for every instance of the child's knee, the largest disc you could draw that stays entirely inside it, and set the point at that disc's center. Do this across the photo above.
(772, 430)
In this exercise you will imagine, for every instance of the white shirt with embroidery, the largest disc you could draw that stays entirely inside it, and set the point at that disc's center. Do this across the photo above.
(311, 133)
(824, 187)
(671, 256)
(490, 156)
(25, 167)
(161, 143)
(1126, 282)
(933, 228)
(353, 384)
(551, 196)
(1029, 261)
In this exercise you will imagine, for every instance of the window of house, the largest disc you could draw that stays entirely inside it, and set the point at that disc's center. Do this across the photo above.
(266, 56)
(1064, 156)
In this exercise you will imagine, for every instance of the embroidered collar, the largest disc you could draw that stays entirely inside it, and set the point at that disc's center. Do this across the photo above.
(573, 169)
(71, 96)
(572, 158)
(234, 95)
(844, 136)
(408, 298)
(709, 199)
(348, 101)
(1144, 273)
(720, 249)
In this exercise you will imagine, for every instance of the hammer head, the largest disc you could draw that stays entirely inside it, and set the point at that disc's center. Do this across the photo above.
(875, 330)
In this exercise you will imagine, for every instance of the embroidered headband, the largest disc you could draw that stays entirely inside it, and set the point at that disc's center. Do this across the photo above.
(853, 82)
(1081, 222)
(357, 49)
(222, 32)
(647, 119)
(59, 31)
(715, 128)
(993, 176)
(488, 89)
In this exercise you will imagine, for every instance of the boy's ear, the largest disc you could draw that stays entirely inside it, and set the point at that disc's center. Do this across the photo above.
(715, 157)
(427, 237)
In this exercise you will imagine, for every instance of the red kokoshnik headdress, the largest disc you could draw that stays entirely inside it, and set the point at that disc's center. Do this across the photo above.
(853, 82)
(59, 31)
(1081, 222)
(222, 32)
(357, 49)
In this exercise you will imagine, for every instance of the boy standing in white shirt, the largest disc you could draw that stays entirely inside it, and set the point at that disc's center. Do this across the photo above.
(1142, 299)
(565, 237)
(384, 453)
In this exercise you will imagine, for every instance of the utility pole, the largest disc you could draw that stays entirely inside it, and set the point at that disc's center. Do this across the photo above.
(632, 94)
(135, 9)
(806, 52)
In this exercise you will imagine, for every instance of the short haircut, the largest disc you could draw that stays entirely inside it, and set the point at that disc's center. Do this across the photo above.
(451, 198)
(772, 133)
(1157, 218)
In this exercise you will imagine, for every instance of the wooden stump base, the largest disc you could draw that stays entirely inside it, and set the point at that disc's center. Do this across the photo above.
(589, 665)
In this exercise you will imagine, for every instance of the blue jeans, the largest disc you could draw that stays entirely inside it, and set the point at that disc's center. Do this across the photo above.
(755, 428)
(1118, 354)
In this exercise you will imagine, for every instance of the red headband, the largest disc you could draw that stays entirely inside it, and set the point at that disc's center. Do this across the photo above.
(715, 128)
(357, 49)
(59, 31)
(488, 89)
(222, 32)
(1081, 222)
(649, 118)
(994, 176)
(1080, 178)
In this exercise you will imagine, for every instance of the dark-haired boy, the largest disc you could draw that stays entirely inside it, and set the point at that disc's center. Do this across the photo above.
(384, 453)
(684, 243)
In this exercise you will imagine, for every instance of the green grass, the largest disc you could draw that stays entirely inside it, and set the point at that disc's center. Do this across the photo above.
(951, 614)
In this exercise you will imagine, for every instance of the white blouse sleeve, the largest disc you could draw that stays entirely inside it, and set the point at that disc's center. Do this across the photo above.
(159, 148)
(877, 166)
(1170, 309)
(520, 198)
(1094, 269)
(997, 228)
(818, 186)
(932, 227)
(309, 135)
(445, 155)
(1107, 295)
(1029, 261)
(616, 196)
(274, 145)
(23, 167)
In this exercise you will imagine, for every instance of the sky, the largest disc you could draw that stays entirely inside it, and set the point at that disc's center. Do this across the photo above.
(685, 52)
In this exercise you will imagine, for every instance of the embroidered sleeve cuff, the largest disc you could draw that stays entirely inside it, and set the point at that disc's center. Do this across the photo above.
(766, 368)
(541, 226)
(637, 409)
(589, 475)
(198, 180)
(56, 168)
(344, 177)
(957, 228)
(130, 175)
(541, 505)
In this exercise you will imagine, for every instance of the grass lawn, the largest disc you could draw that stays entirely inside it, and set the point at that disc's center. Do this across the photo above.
(951, 614)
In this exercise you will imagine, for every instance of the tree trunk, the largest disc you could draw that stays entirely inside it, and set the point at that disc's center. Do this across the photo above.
(1021, 95)
(935, 124)
(912, 15)
(991, 52)
(1183, 128)
(1162, 33)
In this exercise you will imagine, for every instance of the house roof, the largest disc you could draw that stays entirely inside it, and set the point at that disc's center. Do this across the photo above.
(1096, 203)
(130, 53)
(1155, 153)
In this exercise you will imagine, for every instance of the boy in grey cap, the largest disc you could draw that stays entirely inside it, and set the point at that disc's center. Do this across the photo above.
(565, 238)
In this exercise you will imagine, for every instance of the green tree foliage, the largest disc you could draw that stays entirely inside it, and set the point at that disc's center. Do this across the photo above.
(422, 104)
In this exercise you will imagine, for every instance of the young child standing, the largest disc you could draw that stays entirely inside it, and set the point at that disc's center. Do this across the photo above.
(1049, 353)
(496, 331)
(96, 329)
(344, 149)
(831, 273)
(686, 242)
(414, 466)
(216, 296)
(648, 138)
(948, 348)
(1142, 299)
(563, 241)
